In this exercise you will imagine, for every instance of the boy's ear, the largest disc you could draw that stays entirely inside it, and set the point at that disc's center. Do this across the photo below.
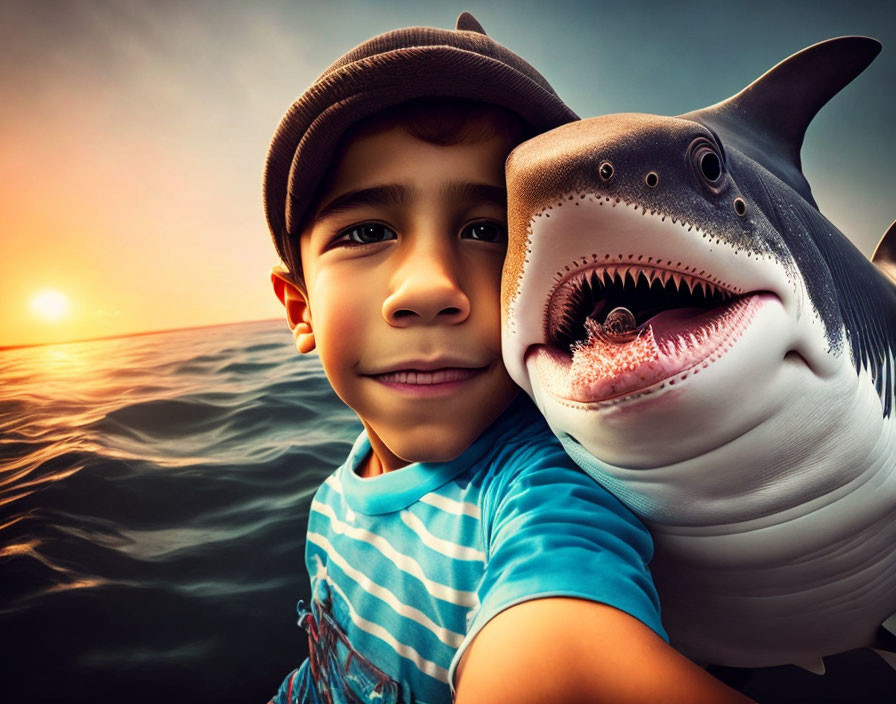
(298, 312)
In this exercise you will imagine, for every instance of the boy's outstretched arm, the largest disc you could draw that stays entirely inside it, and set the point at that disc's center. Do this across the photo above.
(573, 650)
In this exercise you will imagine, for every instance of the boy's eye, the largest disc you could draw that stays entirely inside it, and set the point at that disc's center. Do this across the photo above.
(485, 232)
(367, 233)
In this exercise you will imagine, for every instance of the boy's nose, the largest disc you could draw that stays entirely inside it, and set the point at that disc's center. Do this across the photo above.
(427, 291)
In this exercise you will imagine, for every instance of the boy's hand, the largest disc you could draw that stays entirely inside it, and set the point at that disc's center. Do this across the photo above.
(573, 650)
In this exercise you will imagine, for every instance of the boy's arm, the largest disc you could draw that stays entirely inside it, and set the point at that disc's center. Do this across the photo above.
(573, 650)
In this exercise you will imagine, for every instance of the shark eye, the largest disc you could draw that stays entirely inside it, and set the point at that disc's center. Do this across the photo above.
(710, 166)
(707, 162)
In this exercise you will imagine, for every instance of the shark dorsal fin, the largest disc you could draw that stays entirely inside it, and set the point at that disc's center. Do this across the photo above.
(467, 23)
(884, 258)
(768, 119)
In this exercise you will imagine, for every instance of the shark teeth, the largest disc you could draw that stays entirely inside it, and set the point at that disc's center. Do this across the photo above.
(632, 275)
(644, 289)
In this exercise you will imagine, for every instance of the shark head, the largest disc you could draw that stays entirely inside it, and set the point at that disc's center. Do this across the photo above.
(671, 286)
(716, 353)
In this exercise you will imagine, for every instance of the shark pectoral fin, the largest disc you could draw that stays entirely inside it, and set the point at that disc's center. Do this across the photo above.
(884, 256)
(815, 666)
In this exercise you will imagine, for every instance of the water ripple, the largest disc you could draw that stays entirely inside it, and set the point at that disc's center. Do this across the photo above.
(153, 498)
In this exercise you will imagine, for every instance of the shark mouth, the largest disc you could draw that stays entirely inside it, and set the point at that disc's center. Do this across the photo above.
(618, 330)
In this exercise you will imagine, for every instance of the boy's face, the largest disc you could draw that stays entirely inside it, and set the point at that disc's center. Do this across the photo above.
(402, 266)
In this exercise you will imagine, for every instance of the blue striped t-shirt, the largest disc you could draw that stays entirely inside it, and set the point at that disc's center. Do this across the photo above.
(411, 564)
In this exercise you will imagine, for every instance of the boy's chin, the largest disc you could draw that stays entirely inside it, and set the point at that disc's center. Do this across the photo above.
(438, 432)
(428, 444)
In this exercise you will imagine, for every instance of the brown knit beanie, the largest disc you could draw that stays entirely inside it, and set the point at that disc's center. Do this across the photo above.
(393, 68)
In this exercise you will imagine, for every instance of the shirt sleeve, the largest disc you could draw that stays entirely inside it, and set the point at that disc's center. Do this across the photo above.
(552, 531)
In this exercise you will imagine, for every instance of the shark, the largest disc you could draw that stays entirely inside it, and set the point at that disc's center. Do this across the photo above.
(717, 354)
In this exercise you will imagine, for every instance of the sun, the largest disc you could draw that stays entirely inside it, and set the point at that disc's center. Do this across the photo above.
(50, 305)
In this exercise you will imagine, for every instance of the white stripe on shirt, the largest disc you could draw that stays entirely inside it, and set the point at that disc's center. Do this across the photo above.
(446, 547)
(401, 561)
(406, 651)
(333, 482)
(458, 508)
(448, 637)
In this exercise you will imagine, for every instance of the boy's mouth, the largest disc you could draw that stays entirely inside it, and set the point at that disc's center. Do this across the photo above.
(428, 377)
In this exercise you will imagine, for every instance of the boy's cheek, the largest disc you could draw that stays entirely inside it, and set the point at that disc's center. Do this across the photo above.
(338, 305)
(338, 328)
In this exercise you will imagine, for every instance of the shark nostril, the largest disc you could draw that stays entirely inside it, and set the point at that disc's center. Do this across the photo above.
(652, 179)
(740, 206)
(605, 170)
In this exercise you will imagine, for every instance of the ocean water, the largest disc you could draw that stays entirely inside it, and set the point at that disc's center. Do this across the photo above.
(153, 503)
(154, 494)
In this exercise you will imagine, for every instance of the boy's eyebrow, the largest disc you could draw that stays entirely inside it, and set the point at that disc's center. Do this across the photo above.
(396, 195)
(389, 195)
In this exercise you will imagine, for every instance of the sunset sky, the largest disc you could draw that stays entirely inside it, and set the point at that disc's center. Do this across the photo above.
(133, 132)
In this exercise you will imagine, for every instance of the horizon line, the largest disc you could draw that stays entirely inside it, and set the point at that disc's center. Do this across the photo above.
(4, 348)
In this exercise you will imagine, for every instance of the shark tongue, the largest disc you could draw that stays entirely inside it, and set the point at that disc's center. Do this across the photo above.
(676, 321)
(616, 361)
(606, 365)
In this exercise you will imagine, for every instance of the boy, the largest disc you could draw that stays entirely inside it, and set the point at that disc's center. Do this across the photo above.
(457, 546)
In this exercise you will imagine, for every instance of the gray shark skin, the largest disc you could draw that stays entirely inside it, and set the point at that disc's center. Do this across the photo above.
(718, 355)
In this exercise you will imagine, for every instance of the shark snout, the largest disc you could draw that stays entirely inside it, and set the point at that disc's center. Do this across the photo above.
(670, 167)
